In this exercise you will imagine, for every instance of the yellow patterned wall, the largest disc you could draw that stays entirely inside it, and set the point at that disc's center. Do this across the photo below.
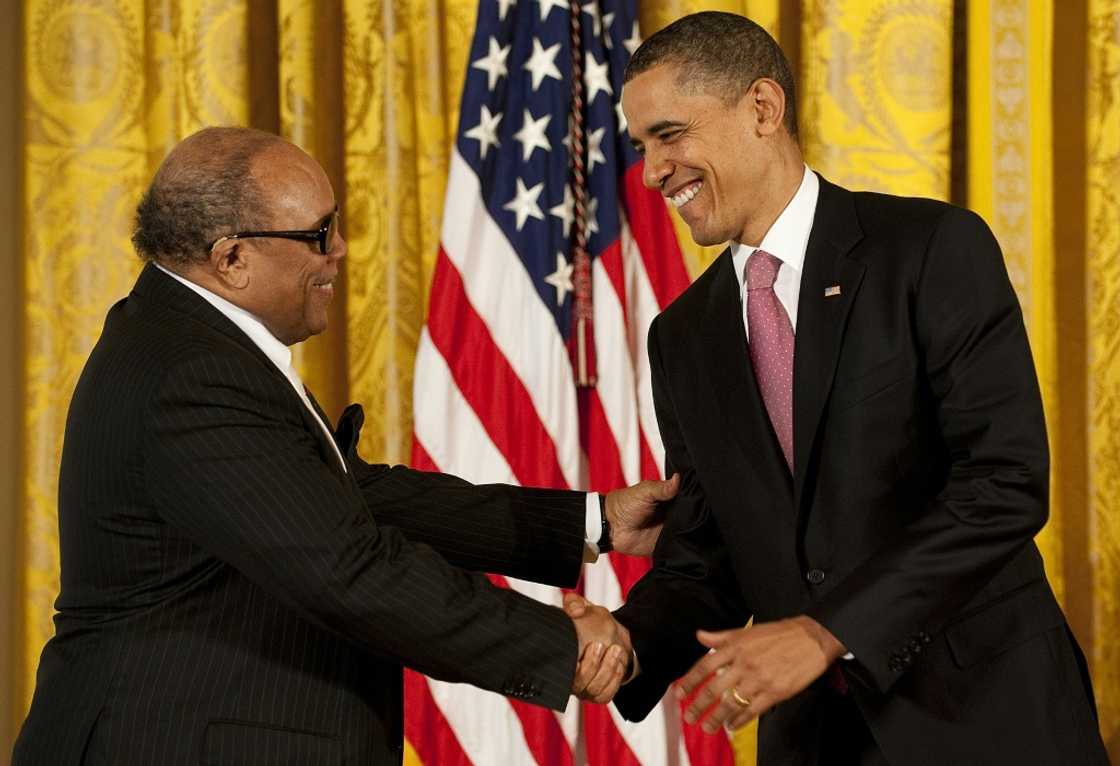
(876, 81)
(372, 91)
(401, 113)
(1103, 228)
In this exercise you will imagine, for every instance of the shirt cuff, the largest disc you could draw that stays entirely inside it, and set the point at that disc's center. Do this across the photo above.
(592, 528)
(635, 669)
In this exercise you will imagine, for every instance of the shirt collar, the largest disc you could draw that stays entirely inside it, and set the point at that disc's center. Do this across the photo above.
(788, 237)
(277, 352)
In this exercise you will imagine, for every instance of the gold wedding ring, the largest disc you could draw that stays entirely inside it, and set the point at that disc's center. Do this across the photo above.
(743, 701)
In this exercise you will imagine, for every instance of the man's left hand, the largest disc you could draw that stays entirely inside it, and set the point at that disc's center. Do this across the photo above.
(604, 650)
(635, 517)
(763, 664)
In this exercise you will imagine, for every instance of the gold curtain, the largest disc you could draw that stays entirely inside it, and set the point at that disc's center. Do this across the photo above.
(1102, 227)
(876, 85)
(1028, 138)
(404, 64)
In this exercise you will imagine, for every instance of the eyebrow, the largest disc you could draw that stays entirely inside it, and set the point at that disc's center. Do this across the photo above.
(323, 218)
(654, 129)
(657, 127)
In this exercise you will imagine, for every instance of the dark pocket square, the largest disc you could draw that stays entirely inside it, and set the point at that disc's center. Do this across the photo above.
(349, 429)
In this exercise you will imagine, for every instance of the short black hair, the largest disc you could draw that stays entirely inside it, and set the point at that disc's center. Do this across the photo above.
(203, 190)
(720, 53)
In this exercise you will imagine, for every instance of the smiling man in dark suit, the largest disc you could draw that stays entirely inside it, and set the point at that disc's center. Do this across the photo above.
(849, 396)
(238, 586)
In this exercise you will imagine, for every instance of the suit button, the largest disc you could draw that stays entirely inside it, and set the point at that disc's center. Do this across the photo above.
(815, 576)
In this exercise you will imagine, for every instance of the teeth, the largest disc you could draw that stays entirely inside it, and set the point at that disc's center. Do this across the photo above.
(686, 195)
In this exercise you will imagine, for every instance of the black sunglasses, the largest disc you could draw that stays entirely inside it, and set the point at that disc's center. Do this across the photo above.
(324, 234)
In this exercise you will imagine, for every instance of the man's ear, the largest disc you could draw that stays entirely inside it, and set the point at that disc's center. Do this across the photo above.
(768, 102)
(229, 262)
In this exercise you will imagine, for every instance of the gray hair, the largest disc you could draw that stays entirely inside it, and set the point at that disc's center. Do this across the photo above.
(203, 190)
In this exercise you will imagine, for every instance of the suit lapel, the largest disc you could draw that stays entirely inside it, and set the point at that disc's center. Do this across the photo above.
(332, 458)
(160, 289)
(319, 411)
(733, 379)
(155, 286)
(821, 319)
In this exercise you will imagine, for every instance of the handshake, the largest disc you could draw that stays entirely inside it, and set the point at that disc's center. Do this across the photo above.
(606, 657)
(745, 672)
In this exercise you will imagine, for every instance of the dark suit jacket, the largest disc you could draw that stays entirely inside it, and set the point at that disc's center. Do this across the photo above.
(920, 478)
(230, 595)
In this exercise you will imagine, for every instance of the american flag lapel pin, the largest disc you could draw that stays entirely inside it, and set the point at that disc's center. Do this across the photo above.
(832, 291)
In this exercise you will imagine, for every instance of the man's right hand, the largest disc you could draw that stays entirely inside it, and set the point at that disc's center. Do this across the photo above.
(604, 650)
(636, 514)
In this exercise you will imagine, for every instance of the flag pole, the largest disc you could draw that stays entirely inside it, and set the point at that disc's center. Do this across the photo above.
(582, 344)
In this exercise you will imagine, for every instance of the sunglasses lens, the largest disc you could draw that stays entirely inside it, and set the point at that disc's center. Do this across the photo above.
(328, 238)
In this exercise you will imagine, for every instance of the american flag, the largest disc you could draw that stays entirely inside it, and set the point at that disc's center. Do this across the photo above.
(495, 395)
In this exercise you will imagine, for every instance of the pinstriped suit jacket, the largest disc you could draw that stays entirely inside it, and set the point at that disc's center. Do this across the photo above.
(230, 595)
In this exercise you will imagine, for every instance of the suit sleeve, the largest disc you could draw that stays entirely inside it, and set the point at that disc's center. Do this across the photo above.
(230, 464)
(531, 534)
(970, 334)
(690, 585)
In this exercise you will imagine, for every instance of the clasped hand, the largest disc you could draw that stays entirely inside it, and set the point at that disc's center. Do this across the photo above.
(604, 650)
(749, 670)
(636, 515)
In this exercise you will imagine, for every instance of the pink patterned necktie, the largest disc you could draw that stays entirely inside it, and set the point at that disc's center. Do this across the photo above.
(771, 346)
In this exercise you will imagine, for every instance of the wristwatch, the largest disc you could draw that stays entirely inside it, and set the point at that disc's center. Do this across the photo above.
(605, 545)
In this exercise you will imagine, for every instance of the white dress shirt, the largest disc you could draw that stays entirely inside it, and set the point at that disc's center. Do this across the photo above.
(281, 356)
(786, 240)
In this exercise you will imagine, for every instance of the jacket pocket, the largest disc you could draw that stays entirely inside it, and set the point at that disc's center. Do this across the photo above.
(241, 743)
(851, 390)
(1003, 624)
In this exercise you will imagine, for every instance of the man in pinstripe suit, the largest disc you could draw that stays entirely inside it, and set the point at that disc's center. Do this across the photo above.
(238, 586)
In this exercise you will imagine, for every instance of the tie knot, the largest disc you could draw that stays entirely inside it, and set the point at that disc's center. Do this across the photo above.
(762, 270)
